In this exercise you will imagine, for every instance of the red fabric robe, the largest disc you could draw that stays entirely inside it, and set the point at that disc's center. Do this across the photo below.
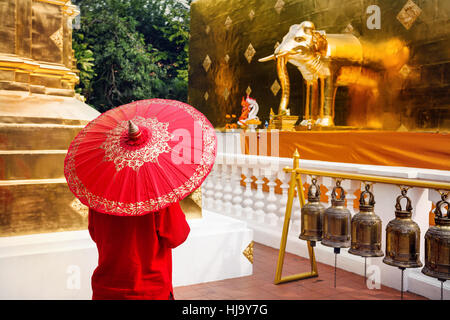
(135, 253)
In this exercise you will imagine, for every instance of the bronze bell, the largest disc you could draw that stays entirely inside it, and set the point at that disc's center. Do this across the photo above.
(437, 244)
(403, 237)
(336, 221)
(312, 215)
(366, 228)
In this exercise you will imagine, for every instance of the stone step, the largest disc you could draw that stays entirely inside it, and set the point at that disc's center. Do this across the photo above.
(32, 164)
(35, 136)
(39, 206)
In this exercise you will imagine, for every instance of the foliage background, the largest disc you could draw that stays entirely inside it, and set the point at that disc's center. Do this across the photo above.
(130, 50)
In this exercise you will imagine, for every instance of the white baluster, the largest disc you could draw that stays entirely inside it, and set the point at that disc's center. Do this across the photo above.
(259, 196)
(271, 217)
(227, 191)
(204, 189)
(208, 196)
(238, 190)
(284, 178)
(218, 190)
(248, 195)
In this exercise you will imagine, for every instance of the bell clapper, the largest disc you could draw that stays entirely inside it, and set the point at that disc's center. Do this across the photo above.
(442, 288)
(403, 270)
(336, 252)
(365, 269)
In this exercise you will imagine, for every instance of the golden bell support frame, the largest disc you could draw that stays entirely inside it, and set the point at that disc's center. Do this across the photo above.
(296, 182)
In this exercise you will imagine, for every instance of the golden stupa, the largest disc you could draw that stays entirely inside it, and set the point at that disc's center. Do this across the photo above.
(40, 114)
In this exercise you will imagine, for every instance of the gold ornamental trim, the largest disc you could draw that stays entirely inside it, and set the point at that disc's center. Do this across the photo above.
(251, 15)
(275, 87)
(248, 252)
(207, 63)
(196, 196)
(249, 53)
(35, 68)
(20, 64)
(134, 159)
(409, 13)
(58, 38)
(279, 6)
(80, 208)
(228, 23)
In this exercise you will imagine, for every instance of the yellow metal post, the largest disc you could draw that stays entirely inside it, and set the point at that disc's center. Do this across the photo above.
(295, 182)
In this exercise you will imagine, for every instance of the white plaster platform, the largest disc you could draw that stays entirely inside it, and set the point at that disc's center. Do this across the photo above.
(59, 265)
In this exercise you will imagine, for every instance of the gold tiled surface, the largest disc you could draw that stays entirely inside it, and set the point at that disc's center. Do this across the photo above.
(419, 99)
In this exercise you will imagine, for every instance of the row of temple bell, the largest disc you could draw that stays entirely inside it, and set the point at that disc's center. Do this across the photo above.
(437, 244)
(336, 228)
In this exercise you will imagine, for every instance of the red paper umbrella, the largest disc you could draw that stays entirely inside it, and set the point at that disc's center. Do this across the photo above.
(140, 157)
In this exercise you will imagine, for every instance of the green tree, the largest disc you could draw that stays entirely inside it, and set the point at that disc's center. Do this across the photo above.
(85, 63)
(140, 50)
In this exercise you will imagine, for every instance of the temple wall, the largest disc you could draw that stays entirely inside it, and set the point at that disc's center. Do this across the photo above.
(413, 96)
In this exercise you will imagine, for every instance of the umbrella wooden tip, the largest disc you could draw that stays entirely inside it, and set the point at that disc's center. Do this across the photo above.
(133, 130)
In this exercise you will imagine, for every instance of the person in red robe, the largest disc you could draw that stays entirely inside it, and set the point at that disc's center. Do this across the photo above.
(135, 253)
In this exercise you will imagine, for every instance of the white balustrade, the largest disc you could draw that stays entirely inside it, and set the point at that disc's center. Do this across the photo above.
(264, 211)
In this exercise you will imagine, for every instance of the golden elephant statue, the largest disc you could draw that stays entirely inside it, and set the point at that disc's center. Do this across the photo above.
(327, 61)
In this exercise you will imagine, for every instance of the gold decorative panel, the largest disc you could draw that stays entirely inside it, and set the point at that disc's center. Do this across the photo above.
(248, 252)
(226, 93)
(57, 38)
(249, 53)
(275, 87)
(251, 15)
(279, 6)
(8, 26)
(206, 63)
(409, 14)
(47, 21)
(228, 22)
(192, 205)
(80, 208)
(248, 91)
(388, 95)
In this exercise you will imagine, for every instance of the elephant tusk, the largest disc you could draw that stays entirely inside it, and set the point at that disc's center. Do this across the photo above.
(268, 58)
(274, 56)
